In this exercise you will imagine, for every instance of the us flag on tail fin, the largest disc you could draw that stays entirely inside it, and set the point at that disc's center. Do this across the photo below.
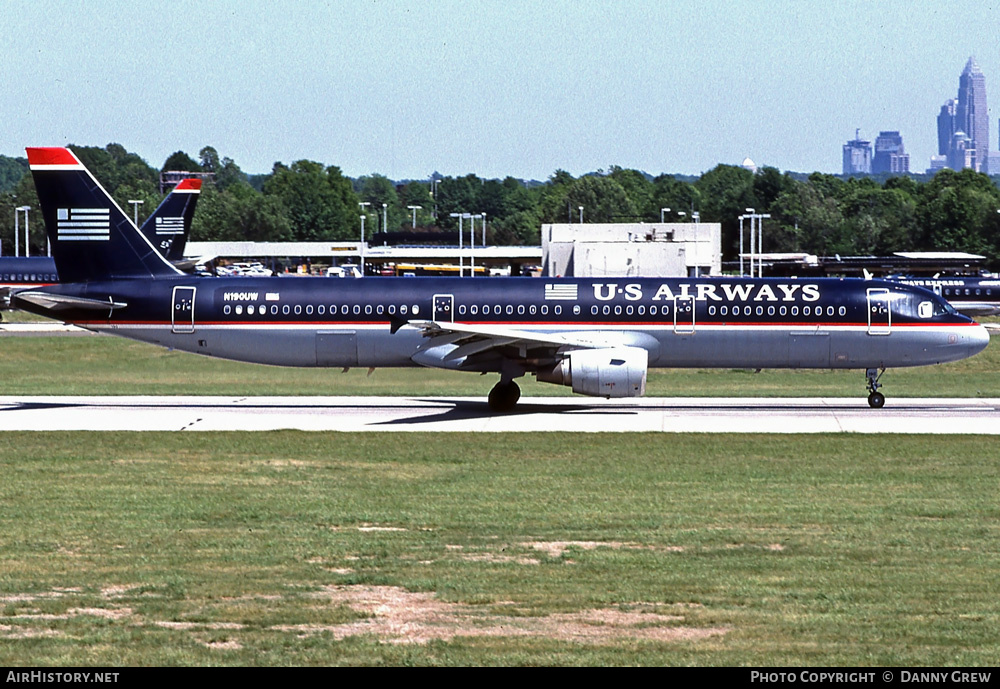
(170, 226)
(83, 224)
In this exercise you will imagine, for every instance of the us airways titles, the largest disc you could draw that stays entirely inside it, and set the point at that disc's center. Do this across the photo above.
(606, 291)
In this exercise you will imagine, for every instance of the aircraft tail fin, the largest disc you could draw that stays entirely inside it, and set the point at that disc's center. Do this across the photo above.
(91, 237)
(168, 227)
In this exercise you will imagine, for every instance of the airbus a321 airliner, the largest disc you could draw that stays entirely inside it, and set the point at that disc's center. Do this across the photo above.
(599, 336)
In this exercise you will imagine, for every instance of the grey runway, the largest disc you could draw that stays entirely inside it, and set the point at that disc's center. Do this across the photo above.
(460, 414)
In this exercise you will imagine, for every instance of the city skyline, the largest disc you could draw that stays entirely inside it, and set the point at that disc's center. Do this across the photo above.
(520, 89)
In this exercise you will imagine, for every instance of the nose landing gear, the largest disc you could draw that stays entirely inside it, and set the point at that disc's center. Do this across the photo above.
(876, 400)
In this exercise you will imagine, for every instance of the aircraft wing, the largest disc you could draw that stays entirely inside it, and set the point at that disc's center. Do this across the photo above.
(463, 346)
(974, 310)
(58, 302)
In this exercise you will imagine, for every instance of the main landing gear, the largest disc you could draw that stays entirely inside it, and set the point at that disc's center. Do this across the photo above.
(876, 400)
(504, 396)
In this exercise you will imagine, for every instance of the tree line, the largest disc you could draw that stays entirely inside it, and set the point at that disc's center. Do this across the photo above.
(308, 201)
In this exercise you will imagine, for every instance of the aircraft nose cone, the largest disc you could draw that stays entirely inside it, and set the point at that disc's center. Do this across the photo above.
(977, 339)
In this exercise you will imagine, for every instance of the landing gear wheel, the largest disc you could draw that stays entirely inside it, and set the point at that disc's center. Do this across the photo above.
(504, 396)
(876, 400)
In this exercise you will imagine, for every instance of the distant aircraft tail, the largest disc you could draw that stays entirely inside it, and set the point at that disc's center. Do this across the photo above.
(91, 237)
(167, 229)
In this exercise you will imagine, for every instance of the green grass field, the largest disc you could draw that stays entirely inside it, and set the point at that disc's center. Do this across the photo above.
(290, 548)
(295, 548)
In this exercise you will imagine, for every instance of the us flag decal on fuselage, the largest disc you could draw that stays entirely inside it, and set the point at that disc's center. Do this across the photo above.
(169, 225)
(83, 224)
(560, 292)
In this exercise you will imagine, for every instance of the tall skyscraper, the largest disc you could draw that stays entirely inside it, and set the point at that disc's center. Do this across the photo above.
(946, 127)
(889, 154)
(857, 156)
(963, 124)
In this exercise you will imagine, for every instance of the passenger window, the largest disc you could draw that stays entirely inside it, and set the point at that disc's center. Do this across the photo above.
(274, 309)
(576, 310)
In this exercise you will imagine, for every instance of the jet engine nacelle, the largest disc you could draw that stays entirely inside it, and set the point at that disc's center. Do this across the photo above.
(609, 372)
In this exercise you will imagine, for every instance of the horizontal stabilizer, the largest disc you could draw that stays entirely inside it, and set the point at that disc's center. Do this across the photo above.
(61, 302)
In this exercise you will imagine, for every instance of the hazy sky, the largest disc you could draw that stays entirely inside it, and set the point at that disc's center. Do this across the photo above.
(491, 88)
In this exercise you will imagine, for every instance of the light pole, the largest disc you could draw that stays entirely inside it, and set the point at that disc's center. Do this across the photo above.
(472, 244)
(135, 210)
(581, 214)
(385, 217)
(361, 247)
(741, 245)
(434, 195)
(760, 242)
(484, 229)
(751, 212)
(663, 211)
(461, 259)
(415, 209)
(27, 249)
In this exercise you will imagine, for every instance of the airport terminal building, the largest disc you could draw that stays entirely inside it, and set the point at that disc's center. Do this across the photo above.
(631, 249)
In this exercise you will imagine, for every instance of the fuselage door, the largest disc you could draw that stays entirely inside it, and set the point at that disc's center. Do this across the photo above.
(444, 308)
(879, 314)
(182, 310)
(684, 314)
